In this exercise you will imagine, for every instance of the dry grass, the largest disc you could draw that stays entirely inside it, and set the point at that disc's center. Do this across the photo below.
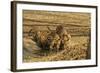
(77, 51)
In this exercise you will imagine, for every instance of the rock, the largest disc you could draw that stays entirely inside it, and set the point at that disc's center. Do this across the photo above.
(30, 45)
